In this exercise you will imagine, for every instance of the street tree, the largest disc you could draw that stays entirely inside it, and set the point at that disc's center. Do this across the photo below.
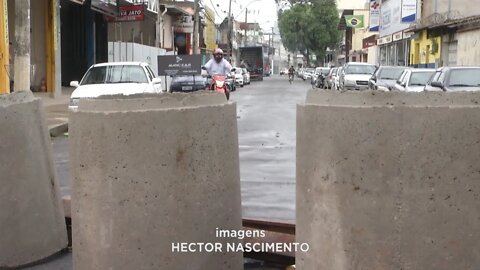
(309, 27)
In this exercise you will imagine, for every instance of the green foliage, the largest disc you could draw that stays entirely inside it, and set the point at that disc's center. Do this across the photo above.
(310, 27)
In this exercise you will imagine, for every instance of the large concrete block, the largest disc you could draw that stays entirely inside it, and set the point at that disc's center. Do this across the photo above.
(383, 186)
(151, 171)
(32, 225)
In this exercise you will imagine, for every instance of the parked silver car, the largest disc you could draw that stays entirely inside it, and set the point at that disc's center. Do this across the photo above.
(355, 76)
(246, 76)
(414, 80)
(385, 77)
(453, 79)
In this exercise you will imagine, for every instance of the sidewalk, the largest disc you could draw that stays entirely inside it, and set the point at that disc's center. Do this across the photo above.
(56, 110)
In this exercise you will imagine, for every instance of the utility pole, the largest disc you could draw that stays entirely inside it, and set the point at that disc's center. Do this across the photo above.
(230, 26)
(246, 25)
(159, 26)
(22, 45)
(196, 29)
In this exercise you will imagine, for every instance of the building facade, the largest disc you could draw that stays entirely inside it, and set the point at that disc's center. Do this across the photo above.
(446, 34)
(394, 41)
(353, 47)
(210, 30)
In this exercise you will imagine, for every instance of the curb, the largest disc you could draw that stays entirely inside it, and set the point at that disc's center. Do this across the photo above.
(57, 130)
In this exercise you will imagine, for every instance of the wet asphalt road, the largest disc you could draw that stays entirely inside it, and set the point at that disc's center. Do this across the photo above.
(266, 115)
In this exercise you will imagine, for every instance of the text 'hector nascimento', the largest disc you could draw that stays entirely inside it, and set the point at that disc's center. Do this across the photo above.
(237, 246)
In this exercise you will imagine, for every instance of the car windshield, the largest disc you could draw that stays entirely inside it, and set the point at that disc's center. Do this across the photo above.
(390, 73)
(238, 71)
(465, 78)
(420, 78)
(115, 74)
(360, 69)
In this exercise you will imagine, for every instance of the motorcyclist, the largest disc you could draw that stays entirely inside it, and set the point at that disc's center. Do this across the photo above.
(291, 71)
(218, 65)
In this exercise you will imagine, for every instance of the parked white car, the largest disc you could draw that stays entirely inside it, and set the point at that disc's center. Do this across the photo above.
(336, 78)
(246, 76)
(355, 76)
(414, 79)
(238, 76)
(116, 78)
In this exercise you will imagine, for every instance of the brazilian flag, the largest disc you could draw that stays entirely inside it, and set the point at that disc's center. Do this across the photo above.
(354, 21)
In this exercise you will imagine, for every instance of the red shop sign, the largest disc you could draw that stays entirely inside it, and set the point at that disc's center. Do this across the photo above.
(130, 13)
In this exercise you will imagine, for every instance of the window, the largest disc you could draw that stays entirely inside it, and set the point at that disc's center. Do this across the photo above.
(115, 74)
(360, 69)
(391, 73)
(465, 77)
(383, 55)
(420, 78)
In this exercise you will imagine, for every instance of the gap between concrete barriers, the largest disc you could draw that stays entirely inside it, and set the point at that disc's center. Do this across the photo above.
(56, 110)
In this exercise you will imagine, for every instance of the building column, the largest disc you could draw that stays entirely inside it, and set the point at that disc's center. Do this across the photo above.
(22, 46)
(53, 54)
(4, 49)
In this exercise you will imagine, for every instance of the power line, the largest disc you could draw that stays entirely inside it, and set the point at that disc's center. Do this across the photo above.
(215, 9)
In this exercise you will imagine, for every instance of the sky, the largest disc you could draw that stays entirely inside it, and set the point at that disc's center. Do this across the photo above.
(263, 12)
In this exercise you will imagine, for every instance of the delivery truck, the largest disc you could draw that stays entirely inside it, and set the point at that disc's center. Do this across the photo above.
(252, 58)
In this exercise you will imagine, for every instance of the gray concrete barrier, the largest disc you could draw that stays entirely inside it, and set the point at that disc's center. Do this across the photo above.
(32, 225)
(388, 181)
(153, 171)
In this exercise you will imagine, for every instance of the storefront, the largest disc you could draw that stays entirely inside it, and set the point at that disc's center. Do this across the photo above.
(394, 50)
(86, 41)
(394, 42)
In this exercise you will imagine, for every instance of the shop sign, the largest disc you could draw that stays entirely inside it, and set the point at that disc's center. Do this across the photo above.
(369, 41)
(407, 35)
(173, 65)
(374, 15)
(397, 36)
(129, 13)
(409, 11)
(184, 24)
(384, 40)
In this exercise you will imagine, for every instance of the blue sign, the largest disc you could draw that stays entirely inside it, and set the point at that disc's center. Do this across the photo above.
(409, 11)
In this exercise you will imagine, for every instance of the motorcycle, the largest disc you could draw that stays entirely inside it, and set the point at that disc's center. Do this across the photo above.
(220, 84)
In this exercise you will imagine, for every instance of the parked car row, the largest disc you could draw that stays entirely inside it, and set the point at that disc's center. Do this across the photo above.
(129, 78)
(363, 76)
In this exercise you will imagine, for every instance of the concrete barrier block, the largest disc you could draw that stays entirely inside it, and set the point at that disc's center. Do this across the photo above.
(32, 224)
(382, 186)
(149, 172)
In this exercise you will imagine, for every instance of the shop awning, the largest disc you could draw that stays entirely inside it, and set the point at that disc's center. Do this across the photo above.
(448, 23)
